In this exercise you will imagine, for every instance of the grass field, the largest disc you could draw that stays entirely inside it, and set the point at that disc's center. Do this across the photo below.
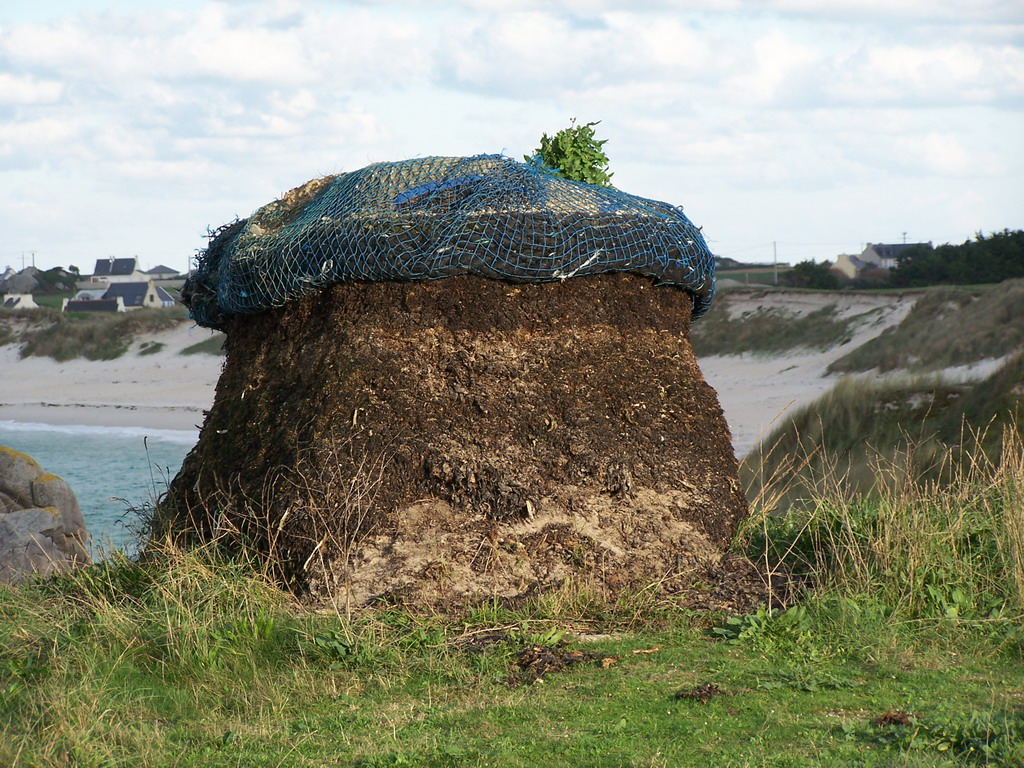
(904, 649)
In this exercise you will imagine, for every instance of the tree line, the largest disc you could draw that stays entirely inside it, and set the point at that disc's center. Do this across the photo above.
(991, 259)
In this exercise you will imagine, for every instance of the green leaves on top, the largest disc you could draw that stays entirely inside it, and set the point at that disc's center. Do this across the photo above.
(574, 153)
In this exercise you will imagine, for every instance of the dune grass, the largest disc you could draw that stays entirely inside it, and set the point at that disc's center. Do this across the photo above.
(905, 648)
(931, 427)
(946, 327)
(768, 330)
(94, 336)
(211, 346)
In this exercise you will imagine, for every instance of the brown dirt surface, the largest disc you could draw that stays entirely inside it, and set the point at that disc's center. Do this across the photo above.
(537, 661)
(706, 692)
(890, 719)
(441, 442)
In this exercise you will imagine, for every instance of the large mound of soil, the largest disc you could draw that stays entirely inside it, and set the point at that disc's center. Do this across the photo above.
(442, 442)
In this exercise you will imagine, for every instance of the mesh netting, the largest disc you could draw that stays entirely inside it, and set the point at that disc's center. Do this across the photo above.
(436, 217)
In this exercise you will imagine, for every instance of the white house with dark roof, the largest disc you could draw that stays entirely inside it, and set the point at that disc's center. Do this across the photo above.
(111, 270)
(120, 297)
(876, 256)
(17, 301)
(139, 295)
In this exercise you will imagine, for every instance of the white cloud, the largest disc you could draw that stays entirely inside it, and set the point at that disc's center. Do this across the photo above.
(931, 75)
(22, 89)
(778, 70)
(43, 132)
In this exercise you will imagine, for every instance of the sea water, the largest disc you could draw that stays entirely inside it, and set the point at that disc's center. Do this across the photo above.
(116, 473)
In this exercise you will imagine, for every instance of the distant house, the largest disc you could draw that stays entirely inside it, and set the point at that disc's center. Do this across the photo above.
(876, 257)
(850, 267)
(18, 301)
(162, 273)
(113, 270)
(886, 256)
(93, 305)
(120, 297)
(89, 294)
(139, 295)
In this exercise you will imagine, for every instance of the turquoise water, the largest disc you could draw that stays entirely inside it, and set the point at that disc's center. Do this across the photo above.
(110, 470)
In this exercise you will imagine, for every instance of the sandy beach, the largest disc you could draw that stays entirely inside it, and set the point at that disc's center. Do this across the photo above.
(168, 390)
(165, 390)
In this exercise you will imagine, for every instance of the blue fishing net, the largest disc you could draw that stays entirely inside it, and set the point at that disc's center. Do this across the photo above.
(436, 217)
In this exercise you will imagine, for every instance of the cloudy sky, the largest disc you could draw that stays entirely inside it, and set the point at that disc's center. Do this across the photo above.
(131, 127)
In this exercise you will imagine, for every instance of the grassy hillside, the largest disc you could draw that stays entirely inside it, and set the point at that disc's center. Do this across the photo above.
(862, 429)
(947, 327)
(903, 648)
(768, 330)
(95, 336)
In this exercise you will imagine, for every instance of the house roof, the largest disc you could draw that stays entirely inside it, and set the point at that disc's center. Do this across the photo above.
(132, 294)
(107, 267)
(91, 305)
(161, 270)
(892, 250)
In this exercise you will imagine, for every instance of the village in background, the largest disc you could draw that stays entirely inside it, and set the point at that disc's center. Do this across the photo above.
(120, 285)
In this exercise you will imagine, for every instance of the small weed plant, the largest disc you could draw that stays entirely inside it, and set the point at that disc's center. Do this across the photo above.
(576, 154)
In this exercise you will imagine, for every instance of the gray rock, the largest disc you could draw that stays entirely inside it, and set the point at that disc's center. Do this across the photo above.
(42, 531)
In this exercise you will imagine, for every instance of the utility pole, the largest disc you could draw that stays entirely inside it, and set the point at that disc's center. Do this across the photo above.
(775, 256)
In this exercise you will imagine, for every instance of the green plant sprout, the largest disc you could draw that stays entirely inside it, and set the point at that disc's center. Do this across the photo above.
(575, 153)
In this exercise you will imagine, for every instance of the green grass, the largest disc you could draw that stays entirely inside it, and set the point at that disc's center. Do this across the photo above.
(94, 678)
(912, 609)
(53, 300)
(850, 436)
(947, 326)
(211, 346)
(150, 347)
(756, 275)
(767, 331)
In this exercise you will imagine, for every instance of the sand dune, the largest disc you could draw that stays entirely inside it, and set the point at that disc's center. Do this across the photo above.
(757, 390)
(165, 390)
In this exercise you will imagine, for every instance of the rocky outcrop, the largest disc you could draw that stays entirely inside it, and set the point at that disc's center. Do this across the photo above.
(41, 527)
